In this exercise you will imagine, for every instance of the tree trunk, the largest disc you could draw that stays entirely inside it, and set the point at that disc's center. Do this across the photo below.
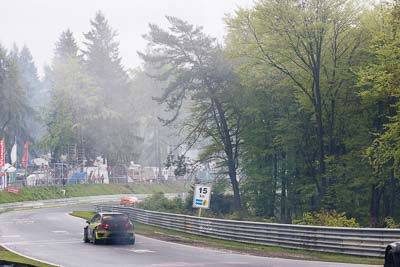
(393, 186)
(331, 148)
(374, 206)
(318, 110)
(320, 137)
(237, 204)
(283, 218)
(290, 195)
(55, 155)
(389, 195)
(272, 206)
(230, 154)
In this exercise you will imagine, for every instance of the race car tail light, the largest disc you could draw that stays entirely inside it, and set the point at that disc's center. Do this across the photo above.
(128, 226)
(104, 226)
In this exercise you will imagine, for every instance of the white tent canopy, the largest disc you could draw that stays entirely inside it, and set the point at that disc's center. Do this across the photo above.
(8, 168)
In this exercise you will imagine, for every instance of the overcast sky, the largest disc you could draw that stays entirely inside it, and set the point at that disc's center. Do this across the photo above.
(39, 23)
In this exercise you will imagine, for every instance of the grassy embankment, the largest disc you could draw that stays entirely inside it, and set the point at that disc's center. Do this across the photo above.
(259, 250)
(54, 192)
(11, 257)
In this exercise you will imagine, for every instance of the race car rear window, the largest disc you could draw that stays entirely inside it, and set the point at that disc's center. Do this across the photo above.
(115, 218)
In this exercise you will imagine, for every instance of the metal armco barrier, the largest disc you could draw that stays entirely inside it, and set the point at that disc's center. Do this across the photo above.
(64, 201)
(73, 201)
(369, 242)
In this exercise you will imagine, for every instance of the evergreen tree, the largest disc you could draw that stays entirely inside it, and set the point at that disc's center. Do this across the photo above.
(103, 61)
(192, 65)
(66, 46)
(114, 125)
(72, 101)
(35, 97)
(13, 102)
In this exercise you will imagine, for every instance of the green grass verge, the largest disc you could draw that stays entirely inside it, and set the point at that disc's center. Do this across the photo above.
(6, 255)
(260, 250)
(54, 192)
(83, 214)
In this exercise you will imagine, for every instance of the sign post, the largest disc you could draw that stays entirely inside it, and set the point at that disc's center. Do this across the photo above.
(201, 197)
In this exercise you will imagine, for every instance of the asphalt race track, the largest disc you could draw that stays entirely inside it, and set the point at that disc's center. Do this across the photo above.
(53, 236)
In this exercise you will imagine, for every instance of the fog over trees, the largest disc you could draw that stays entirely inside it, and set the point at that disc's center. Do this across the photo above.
(298, 108)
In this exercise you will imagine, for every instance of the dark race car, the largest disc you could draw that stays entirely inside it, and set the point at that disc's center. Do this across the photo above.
(109, 226)
(392, 255)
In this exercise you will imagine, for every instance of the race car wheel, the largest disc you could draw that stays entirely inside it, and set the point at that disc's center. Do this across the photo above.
(85, 236)
(94, 239)
(389, 259)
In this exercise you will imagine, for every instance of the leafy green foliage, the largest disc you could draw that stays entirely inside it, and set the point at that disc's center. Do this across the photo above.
(305, 131)
(221, 203)
(326, 218)
(379, 83)
(158, 202)
(391, 223)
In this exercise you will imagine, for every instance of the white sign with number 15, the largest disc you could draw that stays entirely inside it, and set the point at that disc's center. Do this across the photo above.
(201, 196)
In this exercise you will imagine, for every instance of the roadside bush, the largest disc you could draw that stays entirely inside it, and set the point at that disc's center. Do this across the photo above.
(221, 204)
(158, 202)
(391, 223)
(326, 218)
(177, 205)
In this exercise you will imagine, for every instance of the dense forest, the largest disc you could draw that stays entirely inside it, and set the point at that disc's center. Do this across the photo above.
(297, 108)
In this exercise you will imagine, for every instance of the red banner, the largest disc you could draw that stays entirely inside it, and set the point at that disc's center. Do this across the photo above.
(25, 158)
(2, 153)
(13, 190)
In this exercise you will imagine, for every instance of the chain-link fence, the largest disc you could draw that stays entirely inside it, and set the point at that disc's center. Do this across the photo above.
(59, 174)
